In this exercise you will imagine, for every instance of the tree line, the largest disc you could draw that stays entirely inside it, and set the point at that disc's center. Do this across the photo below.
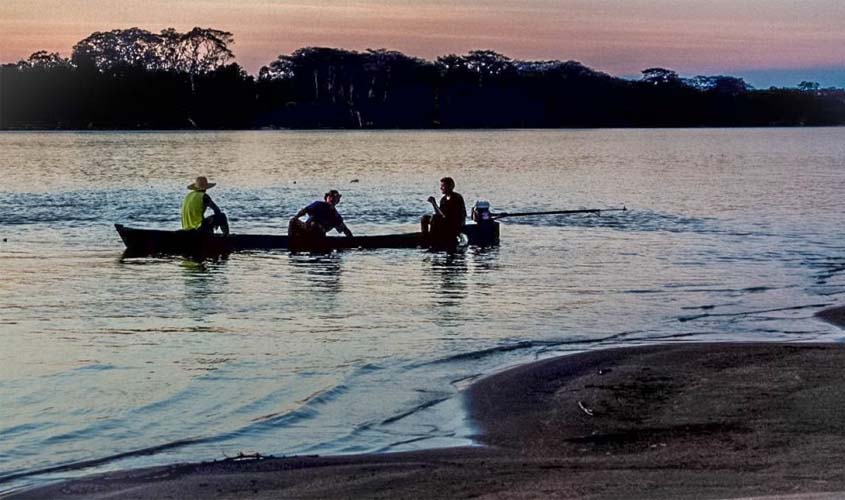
(136, 79)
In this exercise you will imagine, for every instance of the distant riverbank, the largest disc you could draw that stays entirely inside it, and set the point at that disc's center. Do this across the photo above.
(330, 88)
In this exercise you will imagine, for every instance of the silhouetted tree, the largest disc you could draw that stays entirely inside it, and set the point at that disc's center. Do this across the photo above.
(110, 50)
(45, 60)
(134, 78)
(721, 83)
(399, 90)
(196, 52)
(280, 69)
(809, 86)
(204, 50)
(661, 76)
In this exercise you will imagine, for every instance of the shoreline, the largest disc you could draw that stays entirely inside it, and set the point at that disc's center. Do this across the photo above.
(665, 421)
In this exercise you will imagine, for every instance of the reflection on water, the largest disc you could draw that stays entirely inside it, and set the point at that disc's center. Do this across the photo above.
(297, 353)
(322, 278)
(203, 281)
(485, 258)
(323, 269)
(450, 268)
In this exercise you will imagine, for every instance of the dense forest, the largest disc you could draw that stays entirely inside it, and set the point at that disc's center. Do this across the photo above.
(136, 79)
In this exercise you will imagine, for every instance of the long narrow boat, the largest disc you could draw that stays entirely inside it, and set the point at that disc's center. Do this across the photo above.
(140, 242)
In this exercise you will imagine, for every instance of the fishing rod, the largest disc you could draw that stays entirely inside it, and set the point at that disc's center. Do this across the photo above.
(596, 211)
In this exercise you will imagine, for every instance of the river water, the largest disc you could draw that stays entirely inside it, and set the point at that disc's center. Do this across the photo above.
(109, 363)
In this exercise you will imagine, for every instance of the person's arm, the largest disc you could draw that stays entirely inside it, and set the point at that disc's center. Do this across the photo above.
(434, 204)
(208, 203)
(341, 228)
(300, 213)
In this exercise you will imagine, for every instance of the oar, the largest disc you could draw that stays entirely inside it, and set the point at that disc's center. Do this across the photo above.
(558, 212)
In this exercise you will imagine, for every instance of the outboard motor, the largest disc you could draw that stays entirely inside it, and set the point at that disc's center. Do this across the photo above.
(481, 211)
(485, 231)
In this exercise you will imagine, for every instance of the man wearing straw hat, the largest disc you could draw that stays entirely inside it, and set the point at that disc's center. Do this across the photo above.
(194, 206)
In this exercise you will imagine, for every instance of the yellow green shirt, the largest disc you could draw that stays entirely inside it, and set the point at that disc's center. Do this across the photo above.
(193, 209)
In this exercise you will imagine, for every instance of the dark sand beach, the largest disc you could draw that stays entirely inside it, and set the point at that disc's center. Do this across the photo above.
(671, 421)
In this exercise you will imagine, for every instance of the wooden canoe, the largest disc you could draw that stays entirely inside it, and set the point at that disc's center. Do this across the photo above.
(141, 242)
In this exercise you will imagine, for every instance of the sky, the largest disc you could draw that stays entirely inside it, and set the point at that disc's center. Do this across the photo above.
(768, 42)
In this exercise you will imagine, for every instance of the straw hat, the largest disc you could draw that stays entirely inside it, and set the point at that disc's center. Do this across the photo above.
(201, 184)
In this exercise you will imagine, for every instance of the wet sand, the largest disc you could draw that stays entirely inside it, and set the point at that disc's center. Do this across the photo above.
(671, 421)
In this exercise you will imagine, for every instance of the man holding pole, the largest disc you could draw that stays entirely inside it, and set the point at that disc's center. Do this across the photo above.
(448, 219)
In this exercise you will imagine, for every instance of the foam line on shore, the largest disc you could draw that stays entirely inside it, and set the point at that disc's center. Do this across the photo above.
(85, 464)
(683, 319)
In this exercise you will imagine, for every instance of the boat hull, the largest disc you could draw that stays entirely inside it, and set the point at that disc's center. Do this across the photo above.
(141, 242)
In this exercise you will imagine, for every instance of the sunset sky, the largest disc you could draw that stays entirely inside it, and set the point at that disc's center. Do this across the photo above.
(769, 42)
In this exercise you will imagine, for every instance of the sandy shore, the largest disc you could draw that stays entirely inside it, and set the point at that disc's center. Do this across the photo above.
(672, 421)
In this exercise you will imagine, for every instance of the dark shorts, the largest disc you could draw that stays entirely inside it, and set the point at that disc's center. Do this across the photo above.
(440, 231)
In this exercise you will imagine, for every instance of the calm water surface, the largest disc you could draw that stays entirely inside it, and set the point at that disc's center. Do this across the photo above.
(109, 363)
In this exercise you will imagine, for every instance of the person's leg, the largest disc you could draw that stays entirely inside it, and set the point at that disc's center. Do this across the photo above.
(212, 222)
(207, 225)
(437, 226)
(296, 228)
(425, 224)
(315, 229)
(221, 221)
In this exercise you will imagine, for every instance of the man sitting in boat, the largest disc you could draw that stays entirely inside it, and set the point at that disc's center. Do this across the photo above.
(194, 206)
(322, 217)
(449, 217)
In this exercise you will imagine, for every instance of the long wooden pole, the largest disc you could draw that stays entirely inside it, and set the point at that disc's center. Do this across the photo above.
(558, 212)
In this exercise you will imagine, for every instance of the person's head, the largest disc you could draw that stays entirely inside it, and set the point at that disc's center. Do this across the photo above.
(201, 184)
(332, 197)
(447, 185)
